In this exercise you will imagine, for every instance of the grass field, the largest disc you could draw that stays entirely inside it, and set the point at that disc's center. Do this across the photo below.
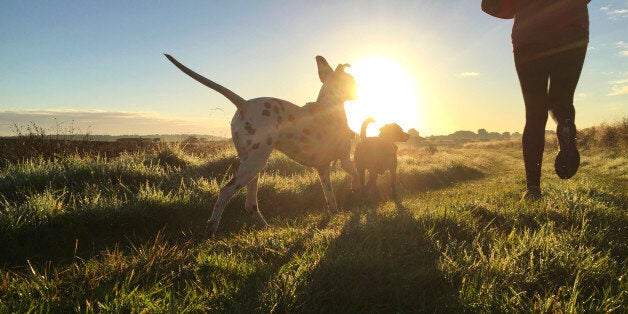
(87, 232)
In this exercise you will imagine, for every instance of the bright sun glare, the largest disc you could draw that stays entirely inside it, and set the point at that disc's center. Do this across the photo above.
(386, 92)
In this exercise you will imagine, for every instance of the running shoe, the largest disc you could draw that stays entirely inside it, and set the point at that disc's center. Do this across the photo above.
(568, 158)
(532, 193)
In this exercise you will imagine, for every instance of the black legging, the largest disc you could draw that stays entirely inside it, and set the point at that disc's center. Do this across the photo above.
(548, 80)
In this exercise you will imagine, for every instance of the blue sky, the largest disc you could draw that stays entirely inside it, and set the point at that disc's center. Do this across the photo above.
(99, 65)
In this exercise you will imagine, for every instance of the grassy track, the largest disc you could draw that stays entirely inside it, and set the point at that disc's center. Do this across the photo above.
(124, 235)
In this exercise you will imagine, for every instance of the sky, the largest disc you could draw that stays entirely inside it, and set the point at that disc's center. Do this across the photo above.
(98, 66)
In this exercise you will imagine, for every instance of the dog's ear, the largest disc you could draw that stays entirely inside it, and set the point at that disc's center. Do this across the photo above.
(341, 67)
(324, 70)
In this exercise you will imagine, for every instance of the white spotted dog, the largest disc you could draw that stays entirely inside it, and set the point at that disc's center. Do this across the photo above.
(314, 135)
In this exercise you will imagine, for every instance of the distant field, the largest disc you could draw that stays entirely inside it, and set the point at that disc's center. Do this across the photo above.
(119, 229)
(20, 149)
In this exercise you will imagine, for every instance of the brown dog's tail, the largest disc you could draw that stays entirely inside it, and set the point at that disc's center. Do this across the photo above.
(363, 129)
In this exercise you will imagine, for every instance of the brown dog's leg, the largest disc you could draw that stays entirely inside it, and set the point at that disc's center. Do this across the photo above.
(362, 174)
(372, 184)
(393, 182)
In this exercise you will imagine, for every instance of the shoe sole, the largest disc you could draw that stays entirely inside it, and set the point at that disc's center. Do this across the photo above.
(531, 196)
(567, 163)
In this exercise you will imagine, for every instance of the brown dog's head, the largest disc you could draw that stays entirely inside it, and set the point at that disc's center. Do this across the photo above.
(393, 132)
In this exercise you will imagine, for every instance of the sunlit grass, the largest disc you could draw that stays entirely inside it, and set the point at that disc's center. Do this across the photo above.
(125, 234)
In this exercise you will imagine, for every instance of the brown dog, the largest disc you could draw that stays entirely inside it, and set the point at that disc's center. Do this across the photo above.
(378, 154)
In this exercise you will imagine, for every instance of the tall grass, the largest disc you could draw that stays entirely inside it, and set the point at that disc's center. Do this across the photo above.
(125, 234)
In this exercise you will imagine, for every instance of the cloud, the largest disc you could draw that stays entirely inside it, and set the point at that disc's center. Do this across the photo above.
(620, 81)
(624, 48)
(468, 74)
(620, 85)
(615, 14)
(619, 90)
(107, 122)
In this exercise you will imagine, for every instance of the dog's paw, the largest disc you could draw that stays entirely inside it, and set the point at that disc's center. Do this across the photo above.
(210, 229)
(332, 210)
(395, 197)
(259, 219)
(357, 188)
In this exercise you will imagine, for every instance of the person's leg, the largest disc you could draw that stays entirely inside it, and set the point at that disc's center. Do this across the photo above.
(533, 77)
(564, 75)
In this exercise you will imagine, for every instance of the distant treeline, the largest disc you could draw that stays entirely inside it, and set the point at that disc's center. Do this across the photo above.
(158, 138)
(470, 136)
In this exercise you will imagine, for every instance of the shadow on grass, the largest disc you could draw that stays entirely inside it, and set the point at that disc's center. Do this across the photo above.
(87, 233)
(379, 263)
(506, 222)
(438, 178)
(402, 264)
(250, 297)
(84, 234)
(605, 227)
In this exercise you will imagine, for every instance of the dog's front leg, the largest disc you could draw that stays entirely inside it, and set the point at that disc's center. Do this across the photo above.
(323, 174)
(251, 202)
(393, 182)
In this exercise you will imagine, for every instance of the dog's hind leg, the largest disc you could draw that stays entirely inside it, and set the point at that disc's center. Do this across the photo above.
(323, 174)
(349, 167)
(251, 202)
(362, 175)
(250, 167)
(371, 185)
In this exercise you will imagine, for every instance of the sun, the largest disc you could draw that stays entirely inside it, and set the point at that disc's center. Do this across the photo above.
(386, 92)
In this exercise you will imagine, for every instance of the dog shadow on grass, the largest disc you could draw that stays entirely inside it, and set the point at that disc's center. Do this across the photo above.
(381, 261)
(87, 233)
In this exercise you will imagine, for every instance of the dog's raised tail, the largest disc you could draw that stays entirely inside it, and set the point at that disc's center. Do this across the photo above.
(233, 97)
(363, 129)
